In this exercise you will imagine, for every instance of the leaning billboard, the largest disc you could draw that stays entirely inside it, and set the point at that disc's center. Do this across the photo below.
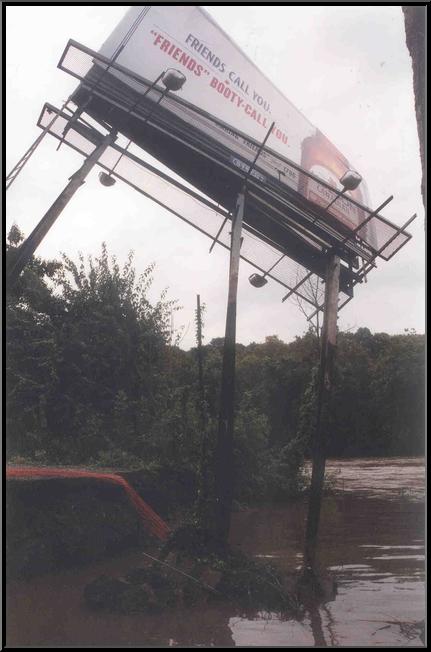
(223, 82)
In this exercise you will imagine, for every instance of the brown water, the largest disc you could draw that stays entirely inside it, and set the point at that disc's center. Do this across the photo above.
(372, 539)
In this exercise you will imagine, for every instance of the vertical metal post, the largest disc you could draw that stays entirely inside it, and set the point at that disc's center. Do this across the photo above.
(326, 372)
(203, 492)
(199, 343)
(223, 468)
(29, 246)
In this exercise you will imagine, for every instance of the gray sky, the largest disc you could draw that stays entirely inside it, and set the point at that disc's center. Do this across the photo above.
(346, 68)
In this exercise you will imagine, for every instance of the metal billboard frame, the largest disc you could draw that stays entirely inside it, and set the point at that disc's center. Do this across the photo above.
(318, 219)
(92, 137)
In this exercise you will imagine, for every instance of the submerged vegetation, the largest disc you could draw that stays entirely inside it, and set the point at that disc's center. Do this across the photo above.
(187, 581)
(187, 572)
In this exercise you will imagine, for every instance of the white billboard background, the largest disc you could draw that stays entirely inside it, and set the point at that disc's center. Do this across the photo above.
(224, 82)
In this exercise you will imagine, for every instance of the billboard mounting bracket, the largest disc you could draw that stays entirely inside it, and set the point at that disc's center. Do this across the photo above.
(250, 170)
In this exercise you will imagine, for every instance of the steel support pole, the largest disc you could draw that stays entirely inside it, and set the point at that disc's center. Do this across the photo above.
(223, 468)
(201, 400)
(203, 492)
(326, 373)
(29, 246)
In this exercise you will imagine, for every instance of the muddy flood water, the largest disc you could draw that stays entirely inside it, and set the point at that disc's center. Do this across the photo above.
(372, 539)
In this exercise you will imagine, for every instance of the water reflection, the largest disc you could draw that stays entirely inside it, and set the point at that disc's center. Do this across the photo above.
(369, 527)
(259, 631)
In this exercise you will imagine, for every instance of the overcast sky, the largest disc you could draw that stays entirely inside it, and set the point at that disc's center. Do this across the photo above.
(346, 68)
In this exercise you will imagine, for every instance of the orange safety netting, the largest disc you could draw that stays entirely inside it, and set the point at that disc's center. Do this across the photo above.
(155, 524)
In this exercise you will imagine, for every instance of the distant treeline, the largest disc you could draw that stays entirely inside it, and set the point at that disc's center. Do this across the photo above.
(93, 377)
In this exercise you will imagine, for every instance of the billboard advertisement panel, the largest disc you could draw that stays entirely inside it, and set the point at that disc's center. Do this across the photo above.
(223, 82)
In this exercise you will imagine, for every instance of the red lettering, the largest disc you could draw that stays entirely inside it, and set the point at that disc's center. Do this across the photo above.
(280, 135)
(165, 45)
(214, 82)
(176, 53)
(157, 39)
(184, 59)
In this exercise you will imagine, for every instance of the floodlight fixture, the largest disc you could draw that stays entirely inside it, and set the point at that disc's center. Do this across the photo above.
(350, 181)
(106, 179)
(173, 79)
(257, 280)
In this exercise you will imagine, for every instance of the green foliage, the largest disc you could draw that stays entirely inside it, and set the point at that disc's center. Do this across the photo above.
(379, 395)
(86, 358)
(199, 322)
(32, 353)
(93, 378)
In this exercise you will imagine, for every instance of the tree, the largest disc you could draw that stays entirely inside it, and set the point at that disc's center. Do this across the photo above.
(31, 352)
(113, 345)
